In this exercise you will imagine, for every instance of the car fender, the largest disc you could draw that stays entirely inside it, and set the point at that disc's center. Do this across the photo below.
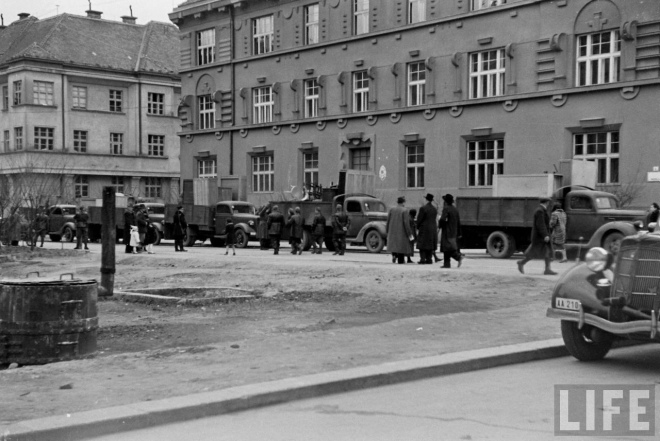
(377, 225)
(158, 226)
(625, 228)
(245, 227)
(71, 225)
(580, 283)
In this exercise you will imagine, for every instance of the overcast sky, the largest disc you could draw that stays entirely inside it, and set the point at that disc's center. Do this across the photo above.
(144, 10)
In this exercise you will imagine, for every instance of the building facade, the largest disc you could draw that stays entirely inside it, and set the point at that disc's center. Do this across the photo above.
(89, 103)
(418, 96)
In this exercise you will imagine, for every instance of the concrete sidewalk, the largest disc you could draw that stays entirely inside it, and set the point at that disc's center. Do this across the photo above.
(85, 425)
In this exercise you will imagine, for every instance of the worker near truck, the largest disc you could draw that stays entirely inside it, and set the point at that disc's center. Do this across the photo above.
(450, 224)
(275, 225)
(427, 230)
(40, 226)
(81, 219)
(295, 223)
(318, 231)
(179, 229)
(540, 239)
(142, 220)
(558, 228)
(262, 229)
(340, 224)
(399, 231)
(129, 221)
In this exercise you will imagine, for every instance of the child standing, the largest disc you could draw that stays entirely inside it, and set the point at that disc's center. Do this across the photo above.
(229, 229)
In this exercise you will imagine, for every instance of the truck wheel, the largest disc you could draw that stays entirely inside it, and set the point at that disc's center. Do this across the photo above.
(374, 241)
(306, 240)
(241, 239)
(328, 244)
(55, 237)
(580, 345)
(612, 242)
(500, 245)
(68, 235)
(190, 238)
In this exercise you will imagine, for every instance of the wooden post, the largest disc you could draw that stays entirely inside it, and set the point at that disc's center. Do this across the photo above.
(108, 240)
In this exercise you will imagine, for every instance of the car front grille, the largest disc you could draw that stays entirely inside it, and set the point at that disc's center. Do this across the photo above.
(638, 276)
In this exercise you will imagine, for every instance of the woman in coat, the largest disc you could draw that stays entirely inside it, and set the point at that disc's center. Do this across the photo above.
(558, 227)
(399, 232)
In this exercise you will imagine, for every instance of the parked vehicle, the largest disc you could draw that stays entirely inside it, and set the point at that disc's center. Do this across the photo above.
(368, 217)
(61, 225)
(208, 222)
(503, 225)
(610, 296)
(156, 214)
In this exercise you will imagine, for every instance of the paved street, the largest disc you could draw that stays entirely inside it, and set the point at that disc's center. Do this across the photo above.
(508, 403)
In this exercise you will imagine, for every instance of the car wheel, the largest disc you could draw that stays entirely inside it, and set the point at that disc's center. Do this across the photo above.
(612, 242)
(581, 345)
(374, 241)
(68, 235)
(500, 245)
(240, 239)
(329, 244)
(55, 237)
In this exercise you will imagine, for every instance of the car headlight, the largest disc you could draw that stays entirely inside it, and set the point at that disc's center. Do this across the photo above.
(251, 223)
(598, 259)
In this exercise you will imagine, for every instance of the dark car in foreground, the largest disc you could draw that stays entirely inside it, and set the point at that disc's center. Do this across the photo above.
(612, 295)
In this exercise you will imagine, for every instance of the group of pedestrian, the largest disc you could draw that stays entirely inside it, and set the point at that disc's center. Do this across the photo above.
(139, 233)
(407, 228)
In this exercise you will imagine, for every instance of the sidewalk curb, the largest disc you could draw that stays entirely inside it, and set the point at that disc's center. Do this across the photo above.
(84, 425)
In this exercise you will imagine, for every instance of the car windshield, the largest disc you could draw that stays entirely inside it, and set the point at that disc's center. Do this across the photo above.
(244, 209)
(606, 202)
(68, 210)
(377, 206)
(156, 209)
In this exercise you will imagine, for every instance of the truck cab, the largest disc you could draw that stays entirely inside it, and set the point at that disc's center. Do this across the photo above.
(245, 219)
(61, 225)
(368, 217)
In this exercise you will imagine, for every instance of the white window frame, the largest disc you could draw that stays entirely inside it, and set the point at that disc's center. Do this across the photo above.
(116, 102)
(416, 11)
(155, 103)
(477, 5)
(155, 145)
(18, 138)
(312, 92)
(262, 104)
(417, 83)
(5, 97)
(607, 159)
(263, 173)
(358, 153)
(311, 168)
(487, 73)
(153, 187)
(207, 168)
(79, 97)
(116, 143)
(81, 186)
(262, 35)
(415, 157)
(206, 107)
(360, 17)
(312, 24)
(6, 141)
(18, 92)
(44, 138)
(205, 47)
(80, 139)
(481, 166)
(360, 91)
(117, 182)
(42, 93)
(594, 66)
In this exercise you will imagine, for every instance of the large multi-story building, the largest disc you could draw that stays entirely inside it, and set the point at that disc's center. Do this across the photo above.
(93, 101)
(418, 96)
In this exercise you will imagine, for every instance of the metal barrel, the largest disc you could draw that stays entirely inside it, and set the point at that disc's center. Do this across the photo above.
(47, 321)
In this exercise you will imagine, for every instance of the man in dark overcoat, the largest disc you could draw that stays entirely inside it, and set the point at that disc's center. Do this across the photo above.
(450, 224)
(340, 225)
(539, 247)
(399, 232)
(179, 226)
(275, 225)
(426, 230)
(295, 223)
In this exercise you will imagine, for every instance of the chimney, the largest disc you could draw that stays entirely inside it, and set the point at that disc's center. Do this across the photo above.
(94, 14)
(128, 19)
(23, 15)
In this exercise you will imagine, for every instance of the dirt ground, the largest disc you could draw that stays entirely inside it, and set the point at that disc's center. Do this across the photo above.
(311, 316)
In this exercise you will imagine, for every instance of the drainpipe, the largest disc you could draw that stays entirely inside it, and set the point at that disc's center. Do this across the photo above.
(108, 236)
(139, 117)
(63, 86)
(233, 100)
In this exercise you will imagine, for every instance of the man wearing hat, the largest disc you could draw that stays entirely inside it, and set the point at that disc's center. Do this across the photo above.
(450, 224)
(275, 225)
(180, 226)
(340, 225)
(540, 247)
(427, 231)
(399, 231)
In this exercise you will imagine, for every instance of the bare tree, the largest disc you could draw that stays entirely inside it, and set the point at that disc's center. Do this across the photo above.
(627, 191)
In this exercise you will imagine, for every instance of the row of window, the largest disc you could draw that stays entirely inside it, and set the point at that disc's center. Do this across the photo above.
(44, 139)
(598, 62)
(263, 27)
(484, 159)
(42, 95)
(152, 186)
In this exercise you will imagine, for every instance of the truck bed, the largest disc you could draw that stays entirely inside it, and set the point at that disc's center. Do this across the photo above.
(497, 211)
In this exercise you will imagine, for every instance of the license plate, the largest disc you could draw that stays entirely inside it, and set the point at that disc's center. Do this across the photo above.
(573, 305)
